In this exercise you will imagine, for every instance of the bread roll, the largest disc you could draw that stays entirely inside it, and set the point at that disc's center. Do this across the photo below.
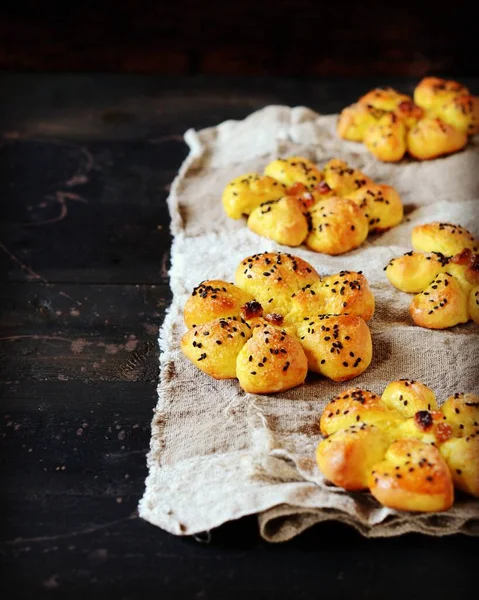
(433, 92)
(386, 140)
(441, 305)
(474, 304)
(214, 346)
(427, 426)
(409, 112)
(284, 221)
(336, 346)
(446, 238)
(384, 98)
(462, 113)
(380, 204)
(294, 169)
(414, 271)
(354, 120)
(272, 277)
(337, 226)
(342, 178)
(408, 397)
(271, 361)
(358, 406)
(462, 458)
(245, 193)
(348, 292)
(431, 138)
(347, 457)
(461, 412)
(213, 299)
(414, 477)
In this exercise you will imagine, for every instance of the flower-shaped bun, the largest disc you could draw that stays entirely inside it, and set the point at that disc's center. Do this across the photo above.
(295, 203)
(437, 122)
(254, 330)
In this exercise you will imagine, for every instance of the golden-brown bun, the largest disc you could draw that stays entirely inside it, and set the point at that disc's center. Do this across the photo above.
(336, 346)
(446, 238)
(342, 178)
(462, 414)
(283, 221)
(271, 361)
(348, 292)
(384, 98)
(354, 406)
(461, 112)
(414, 271)
(354, 120)
(213, 299)
(409, 112)
(347, 457)
(408, 397)
(245, 193)
(432, 92)
(443, 304)
(380, 204)
(214, 346)
(431, 138)
(413, 476)
(294, 169)
(474, 304)
(337, 226)
(386, 140)
(468, 273)
(462, 458)
(272, 277)
(427, 426)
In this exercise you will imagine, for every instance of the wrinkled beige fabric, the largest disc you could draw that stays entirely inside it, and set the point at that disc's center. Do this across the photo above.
(218, 453)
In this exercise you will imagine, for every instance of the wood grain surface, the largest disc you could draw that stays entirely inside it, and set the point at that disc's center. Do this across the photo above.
(86, 163)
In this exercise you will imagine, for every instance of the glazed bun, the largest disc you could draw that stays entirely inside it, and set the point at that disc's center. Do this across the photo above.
(441, 305)
(474, 304)
(343, 179)
(462, 458)
(284, 221)
(271, 361)
(355, 120)
(427, 426)
(347, 457)
(242, 195)
(214, 347)
(380, 204)
(433, 92)
(348, 292)
(337, 346)
(446, 238)
(386, 140)
(271, 278)
(294, 169)
(431, 138)
(414, 271)
(408, 397)
(413, 477)
(387, 99)
(337, 226)
(358, 406)
(462, 113)
(461, 412)
(213, 299)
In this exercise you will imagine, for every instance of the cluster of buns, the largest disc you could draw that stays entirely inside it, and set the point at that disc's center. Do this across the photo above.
(279, 320)
(442, 272)
(331, 211)
(403, 448)
(436, 122)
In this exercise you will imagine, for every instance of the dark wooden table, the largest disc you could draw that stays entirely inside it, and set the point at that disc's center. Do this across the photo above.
(85, 167)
